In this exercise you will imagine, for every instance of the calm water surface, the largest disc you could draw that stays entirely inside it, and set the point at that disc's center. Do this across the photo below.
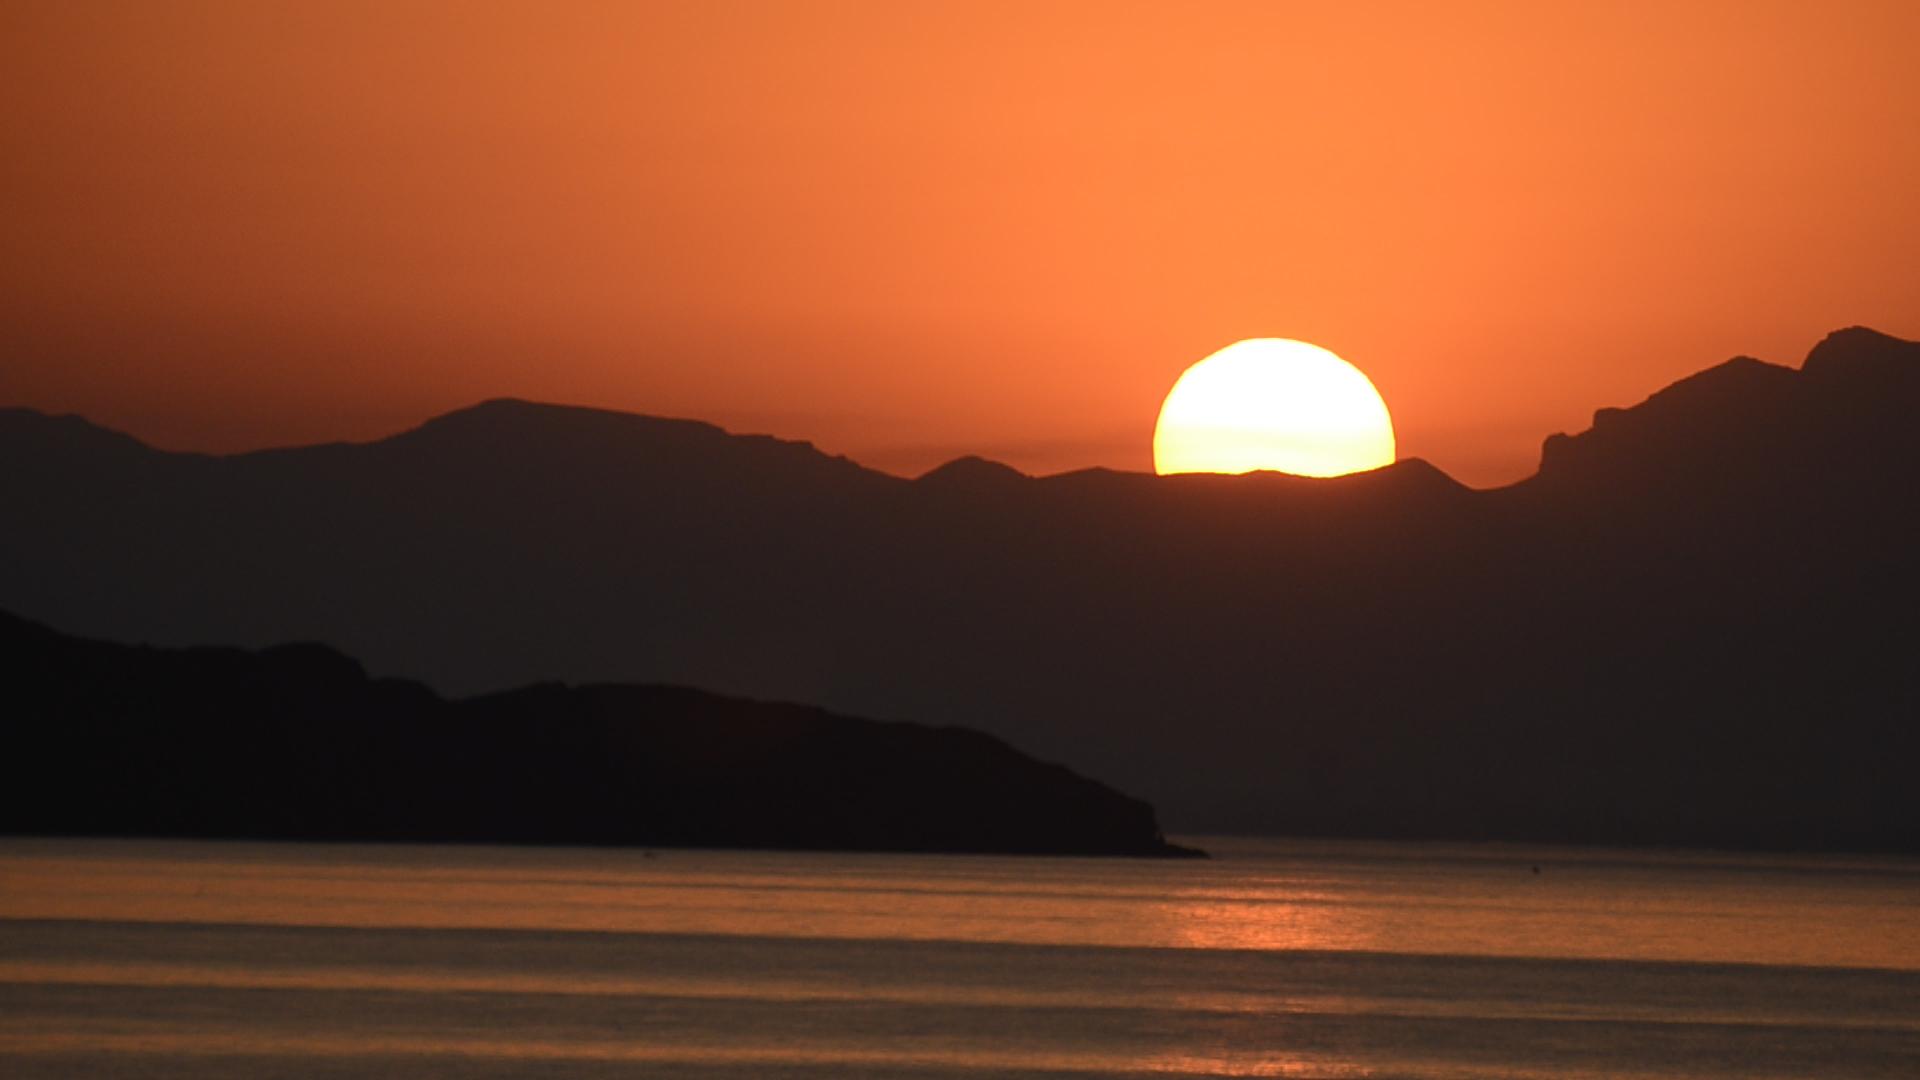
(164, 959)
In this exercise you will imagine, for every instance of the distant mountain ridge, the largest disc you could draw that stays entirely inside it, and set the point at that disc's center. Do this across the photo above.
(1854, 377)
(1692, 625)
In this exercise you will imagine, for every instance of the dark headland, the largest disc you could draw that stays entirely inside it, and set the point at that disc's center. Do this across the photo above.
(1695, 625)
(297, 743)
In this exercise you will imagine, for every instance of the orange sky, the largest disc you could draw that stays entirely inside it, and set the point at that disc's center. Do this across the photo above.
(908, 231)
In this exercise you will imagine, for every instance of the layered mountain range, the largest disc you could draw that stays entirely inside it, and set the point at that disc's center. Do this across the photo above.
(1693, 625)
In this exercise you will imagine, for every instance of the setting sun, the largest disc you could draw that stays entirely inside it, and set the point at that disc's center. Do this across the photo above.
(1273, 403)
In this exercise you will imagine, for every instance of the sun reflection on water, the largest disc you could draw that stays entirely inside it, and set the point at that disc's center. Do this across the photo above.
(1302, 1066)
(1209, 920)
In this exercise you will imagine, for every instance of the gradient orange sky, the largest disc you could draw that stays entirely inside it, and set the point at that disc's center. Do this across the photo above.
(907, 231)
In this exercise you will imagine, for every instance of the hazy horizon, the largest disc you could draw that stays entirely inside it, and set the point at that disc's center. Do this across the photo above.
(800, 437)
(909, 233)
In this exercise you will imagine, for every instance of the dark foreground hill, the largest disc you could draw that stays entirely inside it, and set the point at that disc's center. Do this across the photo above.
(1694, 625)
(295, 742)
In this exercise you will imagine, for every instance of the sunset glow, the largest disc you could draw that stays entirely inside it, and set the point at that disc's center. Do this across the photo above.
(623, 536)
(1273, 403)
(246, 225)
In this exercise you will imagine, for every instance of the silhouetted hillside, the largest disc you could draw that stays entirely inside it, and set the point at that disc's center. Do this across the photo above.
(295, 742)
(1692, 626)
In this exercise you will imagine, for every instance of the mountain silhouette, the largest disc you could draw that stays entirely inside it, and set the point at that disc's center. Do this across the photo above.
(296, 742)
(1691, 626)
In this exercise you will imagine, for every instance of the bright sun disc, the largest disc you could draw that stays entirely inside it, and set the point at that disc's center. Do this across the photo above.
(1272, 403)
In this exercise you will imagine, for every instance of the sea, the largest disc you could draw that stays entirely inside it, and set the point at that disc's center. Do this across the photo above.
(1273, 959)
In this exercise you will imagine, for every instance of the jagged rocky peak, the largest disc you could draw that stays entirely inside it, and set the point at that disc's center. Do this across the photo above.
(1862, 355)
(1746, 410)
(1725, 400)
